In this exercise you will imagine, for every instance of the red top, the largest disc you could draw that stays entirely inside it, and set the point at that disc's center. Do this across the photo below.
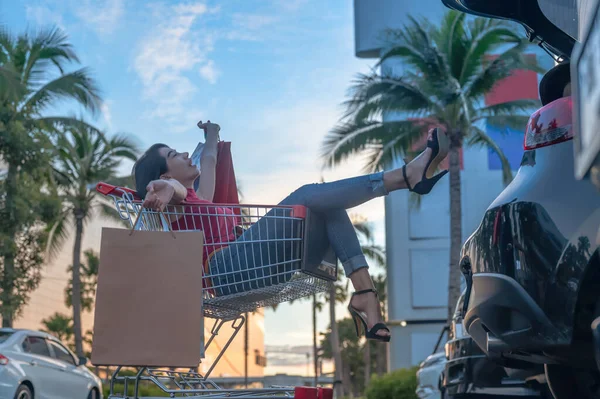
(218, 223)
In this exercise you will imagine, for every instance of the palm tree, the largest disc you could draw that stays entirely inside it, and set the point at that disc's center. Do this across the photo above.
(32, 82)
(447, 72)
(84, 157)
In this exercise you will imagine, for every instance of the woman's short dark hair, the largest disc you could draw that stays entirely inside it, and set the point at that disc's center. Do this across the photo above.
(151, 166)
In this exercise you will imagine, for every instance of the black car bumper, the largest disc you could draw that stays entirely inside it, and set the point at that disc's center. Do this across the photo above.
(501, 317)
(468, 367)
(469, 371)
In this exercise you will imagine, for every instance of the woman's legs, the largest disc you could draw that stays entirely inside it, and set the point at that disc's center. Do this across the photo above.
(255, 264)
(332, 199)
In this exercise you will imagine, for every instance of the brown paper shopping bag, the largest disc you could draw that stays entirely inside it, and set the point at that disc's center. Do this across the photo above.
(149, 299)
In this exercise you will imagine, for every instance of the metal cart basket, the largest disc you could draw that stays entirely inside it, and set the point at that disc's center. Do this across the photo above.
(254, 256)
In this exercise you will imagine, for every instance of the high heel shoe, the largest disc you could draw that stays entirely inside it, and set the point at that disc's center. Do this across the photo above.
(439, 149)
(360, 321)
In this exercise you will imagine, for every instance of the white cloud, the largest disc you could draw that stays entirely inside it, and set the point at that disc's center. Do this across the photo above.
(249, 27)
(167, 54)
(103, 17)
(252, 21)
(210, 72)
(106, 114)
(292, 5)
(43, 16)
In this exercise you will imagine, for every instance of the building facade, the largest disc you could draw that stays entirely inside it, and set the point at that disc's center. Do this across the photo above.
(418, 239)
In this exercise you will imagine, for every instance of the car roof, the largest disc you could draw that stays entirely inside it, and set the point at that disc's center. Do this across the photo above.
(526, 12)
(23, 331)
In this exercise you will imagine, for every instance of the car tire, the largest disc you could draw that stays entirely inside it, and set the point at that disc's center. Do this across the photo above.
(23, 392)
(93, 394)
(567, 383)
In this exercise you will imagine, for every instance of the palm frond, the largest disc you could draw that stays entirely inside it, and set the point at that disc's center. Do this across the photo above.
(414, 45)
(63, 123)
(452, 42)
(58, 234)
(374, 252)
(487, 36)
(506, 108)
(479, 137)
(11, 88)
(389, 92)
(77, 85)
(123, 146)
(348, 139)
(500, 68)
(363, 228)
(48, 46)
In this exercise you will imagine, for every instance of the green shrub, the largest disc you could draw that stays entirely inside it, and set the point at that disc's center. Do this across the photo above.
(146, 389)
(399, 384)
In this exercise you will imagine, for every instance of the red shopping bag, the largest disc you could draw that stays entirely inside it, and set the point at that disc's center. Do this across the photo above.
(226, 191)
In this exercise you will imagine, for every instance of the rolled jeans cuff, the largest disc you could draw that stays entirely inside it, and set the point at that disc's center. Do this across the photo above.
(377, 184)
(354, 263)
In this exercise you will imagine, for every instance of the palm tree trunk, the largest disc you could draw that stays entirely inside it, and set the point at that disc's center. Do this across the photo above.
(315, 349)
(367, 359)
(335, 345)
(8, 281)
(382, 354)
(76, 294)
(455, 223)
(346, 381)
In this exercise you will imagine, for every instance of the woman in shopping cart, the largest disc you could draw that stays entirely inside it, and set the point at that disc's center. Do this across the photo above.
(164, 177)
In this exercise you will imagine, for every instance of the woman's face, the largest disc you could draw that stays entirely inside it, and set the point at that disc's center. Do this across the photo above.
(179, 166)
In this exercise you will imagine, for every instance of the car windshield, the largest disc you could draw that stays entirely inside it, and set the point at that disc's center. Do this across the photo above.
(570, 16)
(4, 335)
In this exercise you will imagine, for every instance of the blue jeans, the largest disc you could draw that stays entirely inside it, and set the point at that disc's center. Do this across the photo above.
(263, 256)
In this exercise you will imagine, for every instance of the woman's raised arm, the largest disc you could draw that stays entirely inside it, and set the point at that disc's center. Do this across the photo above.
(208, 162)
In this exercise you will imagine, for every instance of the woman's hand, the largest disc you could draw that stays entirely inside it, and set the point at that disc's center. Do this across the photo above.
(210, 129)
(159, 194)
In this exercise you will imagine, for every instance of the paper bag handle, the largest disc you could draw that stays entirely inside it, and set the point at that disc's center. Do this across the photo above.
(162, 214)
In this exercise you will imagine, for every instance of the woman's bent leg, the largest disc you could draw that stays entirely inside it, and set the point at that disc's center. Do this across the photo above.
(268, 253)
(344, 241)
(341, 194)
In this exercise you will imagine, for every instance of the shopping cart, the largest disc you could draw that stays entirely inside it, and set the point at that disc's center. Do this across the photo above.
(254, 256)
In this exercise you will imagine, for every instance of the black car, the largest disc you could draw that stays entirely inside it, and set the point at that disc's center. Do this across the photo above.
(470, 374)
(533, 265)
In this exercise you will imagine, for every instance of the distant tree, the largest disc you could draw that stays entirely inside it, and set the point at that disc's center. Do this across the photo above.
(84, 157)
(32, 82)
(88, 284)
(61, 326)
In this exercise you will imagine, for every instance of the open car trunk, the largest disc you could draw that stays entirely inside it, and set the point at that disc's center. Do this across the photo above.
(554, 24)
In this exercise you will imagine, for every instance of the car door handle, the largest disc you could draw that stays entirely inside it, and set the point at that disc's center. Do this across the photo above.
(33, 363)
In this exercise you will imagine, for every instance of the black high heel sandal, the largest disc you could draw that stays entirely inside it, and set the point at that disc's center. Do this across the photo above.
(360, 321)
(439, 149)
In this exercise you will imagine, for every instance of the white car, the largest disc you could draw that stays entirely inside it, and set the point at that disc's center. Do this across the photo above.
(36, 365)
(428, 376)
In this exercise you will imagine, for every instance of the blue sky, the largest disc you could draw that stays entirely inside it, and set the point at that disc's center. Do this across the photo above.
(271, 73)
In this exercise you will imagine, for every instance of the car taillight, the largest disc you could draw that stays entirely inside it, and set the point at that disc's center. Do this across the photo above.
(551, 124)
(3, 360)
